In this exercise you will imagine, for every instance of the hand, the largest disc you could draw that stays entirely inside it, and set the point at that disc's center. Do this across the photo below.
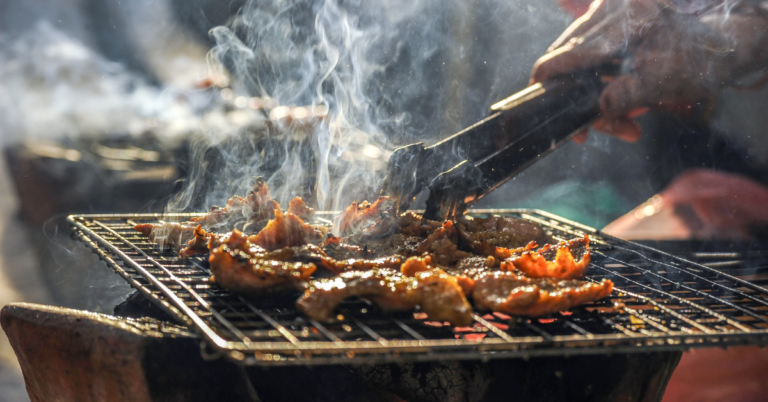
(676, 59)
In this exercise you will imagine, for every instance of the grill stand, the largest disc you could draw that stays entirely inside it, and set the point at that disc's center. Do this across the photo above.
(72, 355)
(660, 303)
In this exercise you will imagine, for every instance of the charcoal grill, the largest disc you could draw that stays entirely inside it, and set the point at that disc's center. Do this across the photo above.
(660, 303)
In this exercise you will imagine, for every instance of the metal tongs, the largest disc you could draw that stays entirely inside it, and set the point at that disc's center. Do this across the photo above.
(465, 167)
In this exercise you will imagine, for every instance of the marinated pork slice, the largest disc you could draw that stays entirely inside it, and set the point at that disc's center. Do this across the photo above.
(438, 294)
(243, 273)
(537, 264)
(413, 224)
(169, 234)
(393, 245)
(298, 207)
(344, 251)
(466, 270)
(483, 235)
(366, 220)
(287, 230)
(316, 255)
(441, 245)
(198, 244)
(248, 214)
(308, 253)
(509, 293)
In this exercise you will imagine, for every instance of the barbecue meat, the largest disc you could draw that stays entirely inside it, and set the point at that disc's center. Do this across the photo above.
(413, 224)
(198, 244)
(298, 207)
(396, 244)
(441, 244)
(483, 235)
(249, 213)
(368, 220)
(344, 251)
(468, 269)
(315, 255)
(512, 294)
(287, 230)
(308, 253)
(239, 269)
(169, 234)
(438, 294)
(535, 264)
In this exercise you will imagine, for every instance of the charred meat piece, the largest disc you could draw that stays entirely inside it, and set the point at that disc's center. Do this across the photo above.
(308, 253)
(509, 293)
(483, 235)
(198, 244)
(287, 230)
(298, 207)
(413, 224)
(314, 254)
(468, 269)
(438, 294)
(169, 234)
(244, 273)
(535, 264)
(392, 245)
(334, 248)
(442, 245)
(367, 220)
(249, 213)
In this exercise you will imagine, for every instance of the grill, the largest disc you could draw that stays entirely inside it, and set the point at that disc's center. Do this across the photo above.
(661, 303)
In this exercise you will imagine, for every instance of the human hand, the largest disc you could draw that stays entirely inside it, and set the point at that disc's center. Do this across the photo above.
(675, 59)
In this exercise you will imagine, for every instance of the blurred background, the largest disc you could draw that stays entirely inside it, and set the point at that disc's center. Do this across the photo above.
(109, 106)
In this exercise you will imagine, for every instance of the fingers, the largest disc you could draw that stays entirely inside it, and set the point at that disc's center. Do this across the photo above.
(570, 57)
(606, 32)
(581, 25)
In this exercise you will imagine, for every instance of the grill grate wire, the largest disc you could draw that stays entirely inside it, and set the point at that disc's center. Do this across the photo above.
(660, 302)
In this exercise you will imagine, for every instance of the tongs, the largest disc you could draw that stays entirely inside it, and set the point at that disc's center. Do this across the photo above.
(523, 128)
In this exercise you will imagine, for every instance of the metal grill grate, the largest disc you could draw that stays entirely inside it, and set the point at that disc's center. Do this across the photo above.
(661, 302)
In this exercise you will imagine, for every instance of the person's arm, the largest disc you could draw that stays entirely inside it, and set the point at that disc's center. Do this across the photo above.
(676, 53)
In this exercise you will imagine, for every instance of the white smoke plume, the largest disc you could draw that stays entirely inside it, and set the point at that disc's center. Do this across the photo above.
(379, 70)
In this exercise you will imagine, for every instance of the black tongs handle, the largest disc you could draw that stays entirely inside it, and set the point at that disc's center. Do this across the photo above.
(538, 119)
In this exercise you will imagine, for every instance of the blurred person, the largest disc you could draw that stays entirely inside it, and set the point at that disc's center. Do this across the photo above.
(677, 56)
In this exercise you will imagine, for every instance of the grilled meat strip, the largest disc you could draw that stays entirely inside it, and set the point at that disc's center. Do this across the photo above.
(249, 213)
(367, 220)
(298, 207)
(287, 230)
(240, 271)
(538, 264)
(441, 244)
(512, 294)
(169, 234)
(483, 235)
(199, 244)
(344, 251)
(438, 293)
(308, 253)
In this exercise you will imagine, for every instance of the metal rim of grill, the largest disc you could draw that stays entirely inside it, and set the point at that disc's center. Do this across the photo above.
(660, 302)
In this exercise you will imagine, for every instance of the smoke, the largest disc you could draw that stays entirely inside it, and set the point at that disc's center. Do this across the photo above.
(54, 87)
(387, 73)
